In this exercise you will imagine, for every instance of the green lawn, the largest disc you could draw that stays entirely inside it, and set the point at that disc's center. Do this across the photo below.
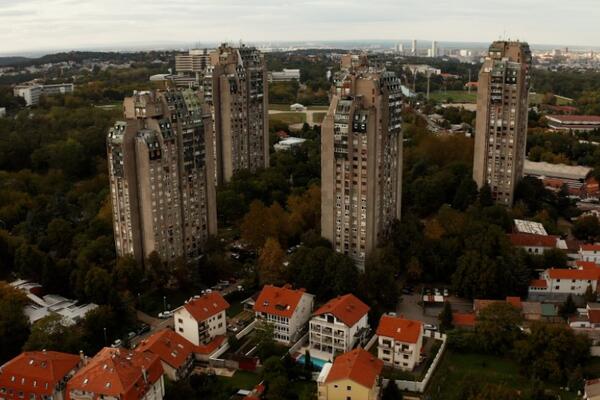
(536, 98)
(318, 117)
(289, 117)
(279, 107)
(456, 96)
(242, 380)
(454, 367)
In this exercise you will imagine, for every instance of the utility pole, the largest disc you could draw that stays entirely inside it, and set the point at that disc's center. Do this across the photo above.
(469, 83)
(428, 83)
(105, 338)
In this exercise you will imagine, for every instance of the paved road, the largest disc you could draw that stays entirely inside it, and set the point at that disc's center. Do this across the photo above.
(410, 308)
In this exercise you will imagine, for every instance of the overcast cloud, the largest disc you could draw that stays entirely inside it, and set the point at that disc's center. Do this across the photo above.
(27, 25)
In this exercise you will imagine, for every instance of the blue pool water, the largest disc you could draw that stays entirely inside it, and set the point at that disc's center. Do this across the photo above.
(316, 362)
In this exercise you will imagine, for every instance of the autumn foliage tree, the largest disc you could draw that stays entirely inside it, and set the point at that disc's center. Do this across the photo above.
(270, 263)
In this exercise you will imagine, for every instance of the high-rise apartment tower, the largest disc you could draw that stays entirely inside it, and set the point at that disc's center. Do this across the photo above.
(361, 157)
(501, 128)
(161, 174)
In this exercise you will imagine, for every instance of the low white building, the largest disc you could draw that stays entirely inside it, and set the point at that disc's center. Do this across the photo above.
(288, 310)
(338, 325)
(202, 318)
(590, 252)
(297, 107)
(41, 306)
(565, 281)
(32, 92)
(535, 243)
(288, 143)
(400, 342)
(287, 74)
(2, 112)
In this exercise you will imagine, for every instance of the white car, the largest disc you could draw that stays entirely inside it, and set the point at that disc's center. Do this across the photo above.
(165, 314)
(429, 327)
(117, 343)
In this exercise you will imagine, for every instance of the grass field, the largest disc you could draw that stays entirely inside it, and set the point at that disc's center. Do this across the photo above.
(286, 107)
(482, 368)
(288, 117)
(242, 380)
(536, 98)
(457, 96)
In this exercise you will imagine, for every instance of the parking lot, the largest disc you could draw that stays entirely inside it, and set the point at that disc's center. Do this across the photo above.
(410, 305)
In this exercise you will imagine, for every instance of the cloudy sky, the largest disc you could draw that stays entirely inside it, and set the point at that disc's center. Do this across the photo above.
(27, 25)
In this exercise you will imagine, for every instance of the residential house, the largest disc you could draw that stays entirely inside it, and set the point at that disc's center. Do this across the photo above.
(558, 283)
(37, 375)
(118, 374)
(339, 324)
(353, 375)
(176, 353)
(288, 310)
(400, 342)
(534, 243)
(590, 252)
(201, 319)
(592, 390)
(588, 322)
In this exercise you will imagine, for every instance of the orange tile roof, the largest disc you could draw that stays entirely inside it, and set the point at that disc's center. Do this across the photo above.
(577, 274)
(463, 319)
(538, 283)
(515, 301)
(119, 373)
(400, 329)
(211, 346)
(359, 365)
(348, 309)
(170, 347)
(532, 240)
(480, 304)
(587, 265)
(206, 306)
(281, 301)
(590, 247)
(594, 316)
(37, 372)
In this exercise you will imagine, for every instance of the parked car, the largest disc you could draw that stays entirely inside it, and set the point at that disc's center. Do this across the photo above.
(117, 343)
(430, 327)
(165, 314)
(143, 329)
(131, 335)
(446, 292)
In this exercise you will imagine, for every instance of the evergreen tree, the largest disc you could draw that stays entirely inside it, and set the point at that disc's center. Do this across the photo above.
(568, 307)
(445, 317)
(485, 196)
(391, 392)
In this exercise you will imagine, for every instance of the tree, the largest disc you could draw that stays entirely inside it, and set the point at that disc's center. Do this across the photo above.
(445, 317)
(51, 333)
(308, 365)
(265, 343)
(568, 308)
(485, 196)
(466, 194)
(14, 326)
(270, 262)
(157, 273)
(551, 352)
(30, 261)
(98, 285)
(589, 295)
(391, 392)
(586, 228)
(497, 327)
(128, 274)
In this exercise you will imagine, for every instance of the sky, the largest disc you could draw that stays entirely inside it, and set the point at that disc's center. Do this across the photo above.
(44, 25)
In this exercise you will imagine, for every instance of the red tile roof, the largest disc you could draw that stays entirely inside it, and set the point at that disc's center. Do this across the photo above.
(119, 373)
(594, 316)
(171, 348)
(37, 372)
(590, 247)
(480, 304)
(587, 265)
(281, 301)
(463, 319)
(206, 306)
(514, 301)
(359, 366)
(532, 240)
(349, 309)
(538, 283)
(577, 274)
(211, 346)
(400, 329)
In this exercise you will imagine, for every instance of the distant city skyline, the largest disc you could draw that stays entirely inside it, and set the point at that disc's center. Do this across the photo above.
(50, 25)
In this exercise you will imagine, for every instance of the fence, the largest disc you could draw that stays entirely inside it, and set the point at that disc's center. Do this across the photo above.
(246, 330)
(298, 345)
(371, 342)
(419, 387)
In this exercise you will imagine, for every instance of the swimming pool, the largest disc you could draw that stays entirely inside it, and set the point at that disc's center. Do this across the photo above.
(317, 363)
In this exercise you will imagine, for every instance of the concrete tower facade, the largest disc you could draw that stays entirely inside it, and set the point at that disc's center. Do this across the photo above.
(501, 127)
(361, 158)
(161, 175)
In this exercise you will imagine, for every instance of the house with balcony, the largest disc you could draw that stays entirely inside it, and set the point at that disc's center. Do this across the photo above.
(399, 342)
(37, 375)
(202, 319)
(339, 325)
(118, 374)
(590, 252)
(558, 283)
(353, 375)
(287, 309)
(176, 353)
